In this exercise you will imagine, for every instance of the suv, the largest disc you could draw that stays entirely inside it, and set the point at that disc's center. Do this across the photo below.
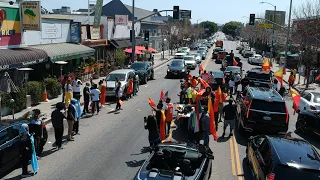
(308, 122)
(282, 158)
(257, 77)
(123, 75)
(144, 70)
(263, 110)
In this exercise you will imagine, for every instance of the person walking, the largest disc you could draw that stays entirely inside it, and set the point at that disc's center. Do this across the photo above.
(86, 98)
(119, 92)
(237, 80)
(78, 115)
(57, 117)
(64, 80)
(71, 117)
(169, 113)
(231, 86)
(211, 80)
(35, 128)
(95, 95)
(76, 86)
(292, 79)
(229, 117)
(160, 116)
(103, 90)
(205, 126)
(130, 87)
(25, 150)
(152, 126)
(68, 91)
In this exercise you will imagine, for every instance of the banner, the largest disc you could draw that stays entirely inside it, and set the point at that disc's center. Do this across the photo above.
(75, 31)
(97, 14)
(10, 31)
(120, 20)
(31, 15)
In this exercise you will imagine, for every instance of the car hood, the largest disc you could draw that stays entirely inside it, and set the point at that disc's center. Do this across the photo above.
(176, 68)
(140, 71)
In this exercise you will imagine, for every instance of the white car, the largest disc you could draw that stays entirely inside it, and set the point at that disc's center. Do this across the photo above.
(179, 55)
(256, 59)
(186, 49)
(190, 62)
(310, 101)
(197, 56)
(123, 76)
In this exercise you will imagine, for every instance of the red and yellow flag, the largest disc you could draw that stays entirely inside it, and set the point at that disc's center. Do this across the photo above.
(235, 63)
(266, 65)
(203, 83)
(295, 98)
(152, 104)
(279, 75)
(163, 126)
(318, 78)
(201, 68)
(212, 122)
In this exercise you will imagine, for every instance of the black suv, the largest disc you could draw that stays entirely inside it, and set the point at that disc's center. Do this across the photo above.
(257, 77)
(144, 69)
(282, 158)
(263, 110)
(308, 122)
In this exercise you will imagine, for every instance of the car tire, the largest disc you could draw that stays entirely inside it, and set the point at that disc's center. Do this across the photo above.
(152, 76)
(300, 127)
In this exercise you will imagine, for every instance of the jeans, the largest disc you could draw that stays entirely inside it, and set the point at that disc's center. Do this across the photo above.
(70, 128)
(76, 127)
(58, 133)
(95, 104)
(205, 138)
(86, 107)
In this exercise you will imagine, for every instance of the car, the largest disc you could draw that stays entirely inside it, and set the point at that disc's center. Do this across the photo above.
(194, 46)
(186, 49)
(256, 59)
(282, 157)
(233, 69)
(123, 75)
(262, 110)
(203, 48)
(221, 55)
(198, 57)
(190, 61)
(179, 55)
(218, 80)
(215, 52)
(238, 47)
(208, 44)
(248, 54)
(10, 142)
(177, 160)
(310, 101)
(258, 77)
(144, 70)
(177, 68)
(203, 54)
(219, 43)
(308, 122)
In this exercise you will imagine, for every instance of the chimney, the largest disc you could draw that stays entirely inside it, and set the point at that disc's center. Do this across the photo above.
(155, 10)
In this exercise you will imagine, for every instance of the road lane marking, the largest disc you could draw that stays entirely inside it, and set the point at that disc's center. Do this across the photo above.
(239, 167)
(208, 59)
(232, 158)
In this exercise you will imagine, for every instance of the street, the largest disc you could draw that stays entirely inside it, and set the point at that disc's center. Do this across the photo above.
(112, 146)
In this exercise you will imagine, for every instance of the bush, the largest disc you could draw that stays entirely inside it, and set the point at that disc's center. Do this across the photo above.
(35, 89)
(53, 87)
(120, 57)
(20, 100)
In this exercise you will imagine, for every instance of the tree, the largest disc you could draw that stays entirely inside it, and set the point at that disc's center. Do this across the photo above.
(210, 27)
(232, 28)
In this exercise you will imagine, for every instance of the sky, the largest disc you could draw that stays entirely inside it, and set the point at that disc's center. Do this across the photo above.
(218, 11)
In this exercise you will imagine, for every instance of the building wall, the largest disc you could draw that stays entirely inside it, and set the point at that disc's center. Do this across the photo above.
(121, 31)
(52, 31)
(155, 35)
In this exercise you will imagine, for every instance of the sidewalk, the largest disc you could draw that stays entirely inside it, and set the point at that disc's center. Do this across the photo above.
(297, 86)
(47, 107)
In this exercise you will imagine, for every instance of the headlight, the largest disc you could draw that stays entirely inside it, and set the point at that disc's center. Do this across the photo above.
(183, 70)
(168, 70)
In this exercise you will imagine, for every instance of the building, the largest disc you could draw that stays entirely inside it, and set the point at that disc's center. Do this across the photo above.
(62, 10)
(116, 7)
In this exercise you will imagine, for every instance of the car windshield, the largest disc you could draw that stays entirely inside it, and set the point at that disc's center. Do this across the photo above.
(202, 48)
(233, 69)
(176, 63)
(180, 51)
(218, 74)
(316, 97)
(138, 66)
(188, 58)
(260, 76)
(269, 106)
(113, 77)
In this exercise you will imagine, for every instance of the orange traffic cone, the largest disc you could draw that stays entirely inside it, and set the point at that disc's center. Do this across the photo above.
(45, 96)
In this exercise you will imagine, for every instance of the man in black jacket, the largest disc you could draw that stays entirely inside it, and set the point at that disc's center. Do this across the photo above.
(57, 121)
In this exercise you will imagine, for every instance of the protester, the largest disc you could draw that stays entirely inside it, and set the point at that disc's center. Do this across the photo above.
(25, 149)
(244, 83)
(205, 96)
(103, 91)
(119, 92)
(86, 98)
(35, 128)
(78, 114)
(130, 87)
(211, 80)
(152, 127)
(229, 117)
(231, 86)
(205, 126)
(160, 120)
(57, 118)
(231, 54)
(292, 79)
(135, 84)
(71, 117)
(189, 94)
(237, 80)
(76, 86)
(169, 113)
(68, 90)
(95, 95)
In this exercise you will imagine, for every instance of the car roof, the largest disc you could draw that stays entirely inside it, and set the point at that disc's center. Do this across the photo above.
(6, 124)
(218, 74)
(294, 151)
(263, 93)
(258, 70)
(121, 71)
(235, 67)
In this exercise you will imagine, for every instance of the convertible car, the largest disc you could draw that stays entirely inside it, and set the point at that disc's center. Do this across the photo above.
(178, 161)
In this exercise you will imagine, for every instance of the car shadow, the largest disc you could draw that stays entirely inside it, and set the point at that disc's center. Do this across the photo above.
(247, 174)
(18, 177)
(311, 138)
(135, 163)
(143, 151)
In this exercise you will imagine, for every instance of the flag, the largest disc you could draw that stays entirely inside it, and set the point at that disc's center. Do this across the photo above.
(162, 126)
(162, 95)
(296, 99)
(279, 75)
(34, 160)
(318, 78)
(201, 68)
(266, 65)
(152, 104)
(235, 63)
(212, 122)
(198, 110)
(203, 83)
(190, 76)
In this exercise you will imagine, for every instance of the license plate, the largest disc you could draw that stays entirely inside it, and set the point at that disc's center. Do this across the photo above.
(267, 118)
(175, 73)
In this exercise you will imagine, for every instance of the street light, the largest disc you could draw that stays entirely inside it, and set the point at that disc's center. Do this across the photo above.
(274, 26)
(61, 63)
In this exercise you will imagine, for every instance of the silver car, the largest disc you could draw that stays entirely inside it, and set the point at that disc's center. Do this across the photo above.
(197, 56)
(123, 75)
(310, 101)
(190, 62)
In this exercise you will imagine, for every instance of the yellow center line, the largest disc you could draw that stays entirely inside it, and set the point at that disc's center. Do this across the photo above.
(239, 168)
(232, 158)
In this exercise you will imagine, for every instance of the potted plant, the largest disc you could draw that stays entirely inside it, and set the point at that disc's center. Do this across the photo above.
(96, 71)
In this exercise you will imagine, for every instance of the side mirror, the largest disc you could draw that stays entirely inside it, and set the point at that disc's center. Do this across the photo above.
(181, 80)
(246, 102)
(167, 64)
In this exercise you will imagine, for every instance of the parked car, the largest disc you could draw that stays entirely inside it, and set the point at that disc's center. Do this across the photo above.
(258, 77)
(262, 110)
(176, 68)
(186, 49)
(177, 161)
(144, 70)
(248, 54)
(194, 46)
(215, 52)
(197, 56)
(256, 59)
(190, 61)
(282, 157)
(10, 141)
(310, 101)
(308, 122)
(123, 75)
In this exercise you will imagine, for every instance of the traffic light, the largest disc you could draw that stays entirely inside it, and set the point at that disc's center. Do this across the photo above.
(252, 19)
(176, 12)
(146, 35)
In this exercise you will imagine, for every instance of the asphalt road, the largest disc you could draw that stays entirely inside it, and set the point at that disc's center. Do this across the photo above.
(113, 146)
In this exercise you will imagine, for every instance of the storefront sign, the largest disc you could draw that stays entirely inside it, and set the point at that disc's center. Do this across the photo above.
(18, 65)
(31, 15)
(51, 31)
(121, 20)
(10, 33)
(75, 31)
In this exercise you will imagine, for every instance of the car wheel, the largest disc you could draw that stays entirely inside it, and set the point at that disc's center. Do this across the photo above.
(145, 79)
(301, 127)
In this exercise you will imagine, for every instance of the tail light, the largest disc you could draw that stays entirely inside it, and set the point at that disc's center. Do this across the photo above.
(287, 114)
(270, 176)
(313, 108)
(249, 109)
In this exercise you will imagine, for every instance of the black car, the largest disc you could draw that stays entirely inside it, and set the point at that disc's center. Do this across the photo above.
(218, 80)
(308, 122)
(10, 144)
(144, 70)
(274, 157)
(262, 110)
(215, 52)
(257, 77)
(176, 68)
(177, 161)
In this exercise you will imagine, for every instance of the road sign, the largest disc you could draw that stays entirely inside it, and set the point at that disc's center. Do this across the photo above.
(185, 14)
(267, 26)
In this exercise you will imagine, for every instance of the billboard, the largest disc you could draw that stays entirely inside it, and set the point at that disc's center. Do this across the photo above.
(75, 32)
(10, 31)
(280, 16)
(120, 19)
(31, 15)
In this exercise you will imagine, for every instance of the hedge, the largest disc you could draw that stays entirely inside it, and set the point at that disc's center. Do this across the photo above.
(53, 87)
(35, 89)
(20, 98)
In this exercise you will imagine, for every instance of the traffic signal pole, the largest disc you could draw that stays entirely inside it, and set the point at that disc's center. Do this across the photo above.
(288, 32)
(133, 35)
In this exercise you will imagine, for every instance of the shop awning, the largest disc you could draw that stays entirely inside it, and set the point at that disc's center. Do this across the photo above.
(19, 57)
(120, 43)
(65, 51)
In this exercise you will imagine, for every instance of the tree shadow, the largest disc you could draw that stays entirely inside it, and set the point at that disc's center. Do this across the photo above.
(143, 151)
(135, 163)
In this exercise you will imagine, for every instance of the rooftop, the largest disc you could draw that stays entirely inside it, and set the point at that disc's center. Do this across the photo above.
(263, 93)
(141, 13)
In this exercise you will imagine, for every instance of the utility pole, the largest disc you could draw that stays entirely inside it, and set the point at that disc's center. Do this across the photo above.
(133, 34)
(288, 33)
(274, 31)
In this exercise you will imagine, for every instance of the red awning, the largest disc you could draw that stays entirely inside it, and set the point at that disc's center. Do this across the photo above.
(130, 51)
(150, 49)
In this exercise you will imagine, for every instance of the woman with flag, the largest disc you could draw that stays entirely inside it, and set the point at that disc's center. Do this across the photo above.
(161, 118)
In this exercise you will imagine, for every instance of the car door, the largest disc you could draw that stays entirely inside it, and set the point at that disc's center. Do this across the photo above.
(264, 159)
(304, 101)
(4, 137)
(7, 146)
(12, 152)
(253, 155)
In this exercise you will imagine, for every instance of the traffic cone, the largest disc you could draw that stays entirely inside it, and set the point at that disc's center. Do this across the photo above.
(45, 96)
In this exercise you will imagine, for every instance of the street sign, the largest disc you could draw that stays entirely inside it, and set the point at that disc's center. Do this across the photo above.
(185, 14)
(267, 26)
